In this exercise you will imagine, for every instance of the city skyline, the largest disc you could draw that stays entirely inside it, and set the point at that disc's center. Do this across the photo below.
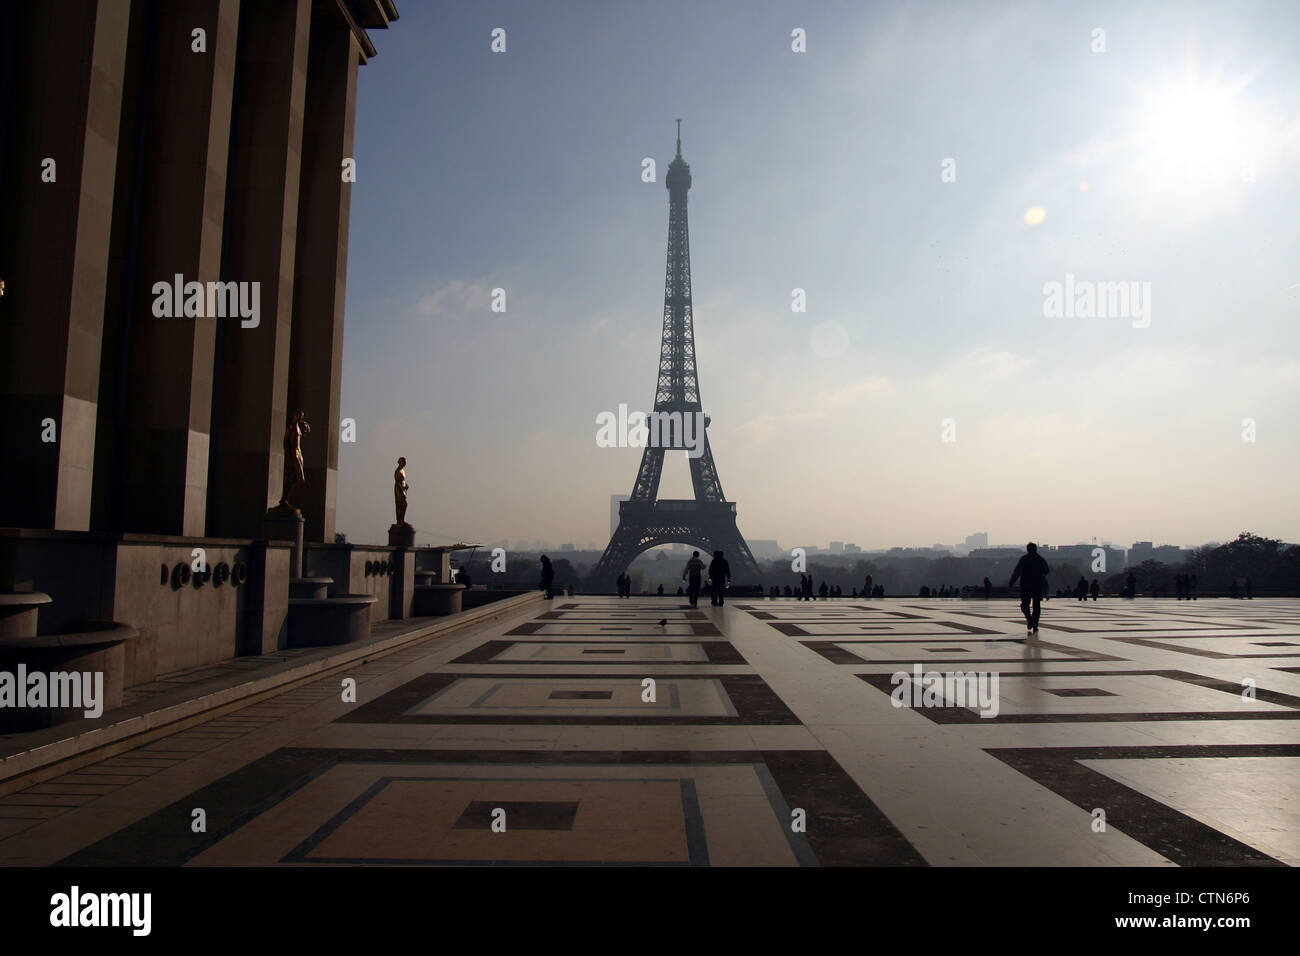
(927, 300)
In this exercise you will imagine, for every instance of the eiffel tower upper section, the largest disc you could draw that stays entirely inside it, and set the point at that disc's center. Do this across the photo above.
(678, 387)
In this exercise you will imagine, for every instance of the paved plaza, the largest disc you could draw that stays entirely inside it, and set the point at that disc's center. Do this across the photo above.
(584, 731)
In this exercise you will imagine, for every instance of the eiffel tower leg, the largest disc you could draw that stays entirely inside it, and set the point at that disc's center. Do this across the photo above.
(618, 555)
(727, 539)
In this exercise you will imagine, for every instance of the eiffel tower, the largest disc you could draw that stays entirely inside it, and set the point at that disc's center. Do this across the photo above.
(708, 521)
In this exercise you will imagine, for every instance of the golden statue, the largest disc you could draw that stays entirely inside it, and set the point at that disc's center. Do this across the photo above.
(399, 490)
(293, 473)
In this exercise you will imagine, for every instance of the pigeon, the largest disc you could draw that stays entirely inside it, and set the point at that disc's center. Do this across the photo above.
(663, 622)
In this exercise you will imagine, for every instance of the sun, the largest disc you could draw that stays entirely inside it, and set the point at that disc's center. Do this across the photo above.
(1194, 130)
(1194, 139)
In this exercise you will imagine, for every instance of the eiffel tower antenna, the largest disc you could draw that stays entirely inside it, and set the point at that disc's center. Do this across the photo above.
(707, 521)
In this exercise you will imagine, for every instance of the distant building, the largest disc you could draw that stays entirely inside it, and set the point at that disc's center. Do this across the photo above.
(837, 547)
(996, 553)
(851, 548)
(914, 552)
(980, 539)
(1082, 557)
(765, 549)
(1164, 553)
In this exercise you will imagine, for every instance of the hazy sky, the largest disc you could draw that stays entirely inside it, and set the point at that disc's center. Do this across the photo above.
(1169, 160)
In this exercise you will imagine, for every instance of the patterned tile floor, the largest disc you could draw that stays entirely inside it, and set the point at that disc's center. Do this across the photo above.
(762, 733)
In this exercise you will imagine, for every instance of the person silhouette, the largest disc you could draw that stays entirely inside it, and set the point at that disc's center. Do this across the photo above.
(548, 577)
(1031, 570)
(660, 592)
(988, 589)
(1191, 587)
(1096, 589)
(1081, 589)
(719, 577)
(694, 568)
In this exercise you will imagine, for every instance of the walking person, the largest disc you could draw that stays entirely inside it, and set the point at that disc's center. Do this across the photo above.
(719, 577)
(694, 568)
(1031, 571)
(1096, 589)
(1081, 589)
(548, 576)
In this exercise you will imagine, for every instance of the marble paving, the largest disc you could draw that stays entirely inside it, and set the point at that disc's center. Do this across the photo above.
(764, 733)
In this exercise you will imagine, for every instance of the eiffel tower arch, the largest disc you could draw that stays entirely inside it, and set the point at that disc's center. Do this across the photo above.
(707, 521)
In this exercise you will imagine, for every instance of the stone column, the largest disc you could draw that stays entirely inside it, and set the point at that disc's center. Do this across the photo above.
(316, 358)
(401, 587)
(175, 214)
(252, 364)
(65, 105)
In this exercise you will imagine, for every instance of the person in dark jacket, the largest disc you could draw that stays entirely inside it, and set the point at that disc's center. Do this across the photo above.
(694, 568)
(1031, 571)
(719, 578)
(1096, 589)
(548, 576)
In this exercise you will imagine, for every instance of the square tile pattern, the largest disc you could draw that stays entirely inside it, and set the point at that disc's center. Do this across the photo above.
(762, 733)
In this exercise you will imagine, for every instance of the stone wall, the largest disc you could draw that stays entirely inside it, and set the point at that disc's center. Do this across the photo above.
(184, 619)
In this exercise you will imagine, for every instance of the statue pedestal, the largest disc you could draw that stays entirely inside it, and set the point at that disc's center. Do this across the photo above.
(437, 600)
(18, 613)
(401, 536)
(281, 524)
